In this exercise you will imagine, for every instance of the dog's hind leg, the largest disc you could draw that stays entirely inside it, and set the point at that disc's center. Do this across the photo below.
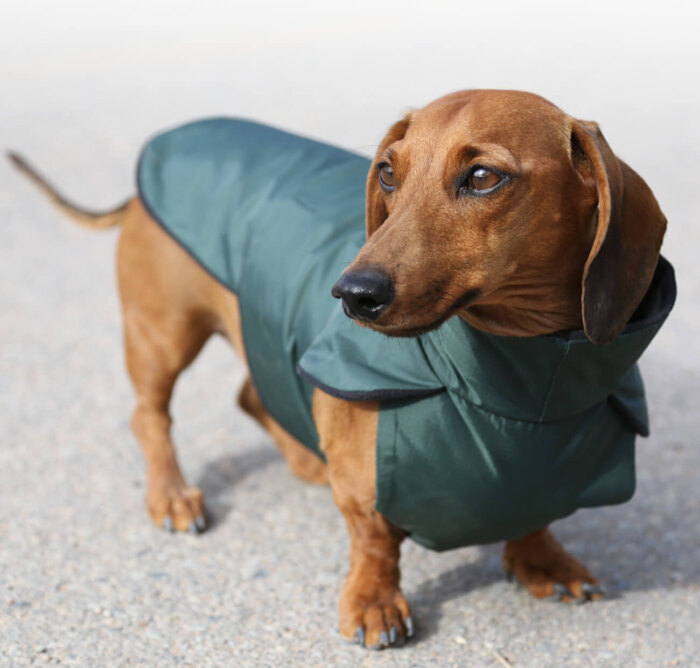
(166, 324)
(304, 463)
(171, 503)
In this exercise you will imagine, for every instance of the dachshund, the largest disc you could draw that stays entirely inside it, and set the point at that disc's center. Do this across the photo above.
(504, 212)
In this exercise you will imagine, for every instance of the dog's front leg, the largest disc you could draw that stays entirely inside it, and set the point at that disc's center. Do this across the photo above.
(373, 609)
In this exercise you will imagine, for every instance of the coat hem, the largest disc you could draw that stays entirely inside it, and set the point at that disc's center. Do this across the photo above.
(368, 395)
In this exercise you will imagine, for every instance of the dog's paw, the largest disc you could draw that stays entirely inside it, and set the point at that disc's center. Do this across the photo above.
(177, 507)
(376, 623)
(571, 590)
(547, 571)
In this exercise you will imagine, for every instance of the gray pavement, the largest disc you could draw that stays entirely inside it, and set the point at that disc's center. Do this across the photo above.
(85, 579)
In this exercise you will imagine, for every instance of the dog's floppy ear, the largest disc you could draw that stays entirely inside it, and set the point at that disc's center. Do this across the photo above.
(375, 208)
(628, 237)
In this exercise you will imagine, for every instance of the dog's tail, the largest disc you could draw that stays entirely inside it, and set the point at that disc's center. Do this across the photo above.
(96, 220)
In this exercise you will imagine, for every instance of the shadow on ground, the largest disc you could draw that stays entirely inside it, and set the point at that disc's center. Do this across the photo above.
(227, 471)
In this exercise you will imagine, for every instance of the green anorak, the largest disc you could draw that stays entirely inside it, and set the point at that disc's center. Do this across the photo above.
(481, 438)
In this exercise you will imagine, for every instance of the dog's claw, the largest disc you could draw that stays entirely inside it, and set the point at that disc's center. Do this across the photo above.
(509, 576)
(200, 522)
(561, 592)
(393, 634)
(168, 524)
(360, 637)
(591, 590)
(193, 528)
(409, 627)
(383, 638)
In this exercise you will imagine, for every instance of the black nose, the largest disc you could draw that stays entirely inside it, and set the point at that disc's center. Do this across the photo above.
(365, 294)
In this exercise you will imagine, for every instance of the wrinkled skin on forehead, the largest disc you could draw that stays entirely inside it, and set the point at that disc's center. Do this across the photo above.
(509, 261)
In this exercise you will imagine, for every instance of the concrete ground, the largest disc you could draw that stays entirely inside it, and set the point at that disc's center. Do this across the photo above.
(85, 579)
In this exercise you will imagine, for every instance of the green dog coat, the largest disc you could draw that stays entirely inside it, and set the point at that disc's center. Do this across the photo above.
(480, 438)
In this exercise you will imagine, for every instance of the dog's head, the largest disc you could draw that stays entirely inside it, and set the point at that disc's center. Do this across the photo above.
(499, 207)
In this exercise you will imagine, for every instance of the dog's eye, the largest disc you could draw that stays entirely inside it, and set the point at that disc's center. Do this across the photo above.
(387, 180)
(483, 179)
(480, 180)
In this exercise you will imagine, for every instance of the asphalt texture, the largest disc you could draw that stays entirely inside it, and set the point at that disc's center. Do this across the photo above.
(87, 580)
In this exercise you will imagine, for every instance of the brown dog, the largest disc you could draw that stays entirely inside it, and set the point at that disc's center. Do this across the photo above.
(568, 236)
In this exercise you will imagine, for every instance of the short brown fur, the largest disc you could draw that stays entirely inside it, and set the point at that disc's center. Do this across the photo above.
(570, 241)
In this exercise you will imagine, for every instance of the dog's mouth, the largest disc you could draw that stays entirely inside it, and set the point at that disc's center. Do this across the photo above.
(407, 327)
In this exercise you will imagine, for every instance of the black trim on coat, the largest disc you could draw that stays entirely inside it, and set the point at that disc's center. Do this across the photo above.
(369, 395)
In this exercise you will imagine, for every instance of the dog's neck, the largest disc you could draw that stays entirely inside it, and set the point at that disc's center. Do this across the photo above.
(505, 321)
(543, 311)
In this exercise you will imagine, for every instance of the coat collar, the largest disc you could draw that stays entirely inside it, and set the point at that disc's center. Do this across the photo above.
(538, 379)
(546, 378)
